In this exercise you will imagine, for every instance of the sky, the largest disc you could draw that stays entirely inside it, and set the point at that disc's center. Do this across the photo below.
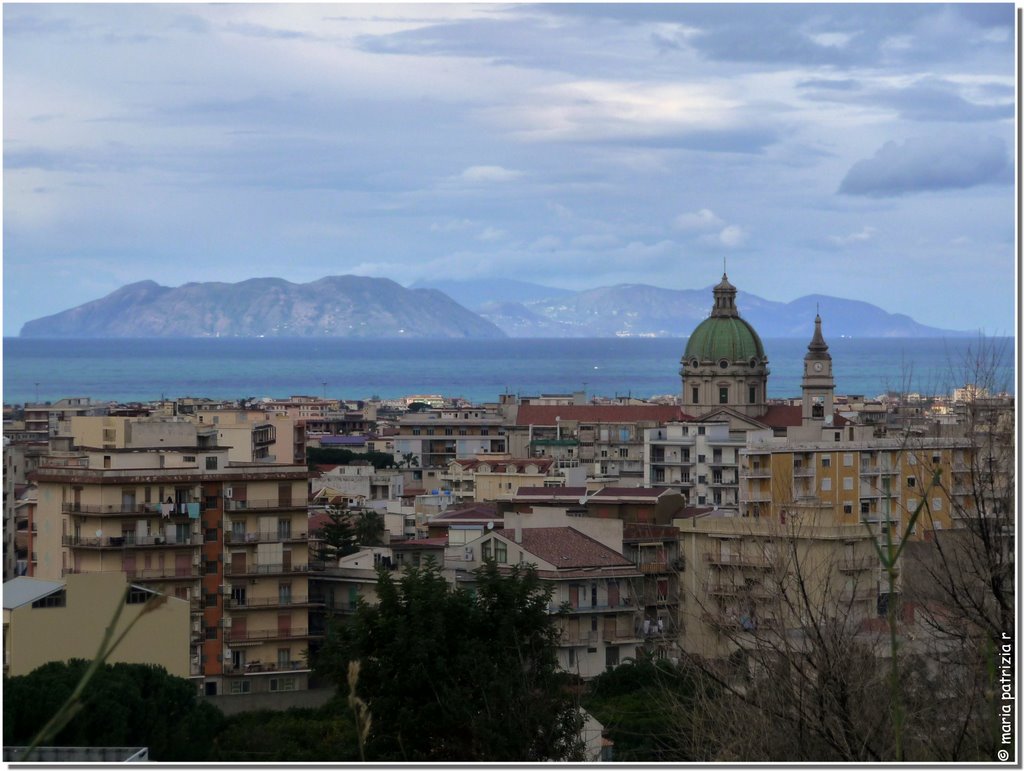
(863, 151)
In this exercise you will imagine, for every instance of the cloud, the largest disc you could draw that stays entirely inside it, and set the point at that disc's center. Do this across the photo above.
(929, 164)
(492, 234)
(489, 174)
(729, 237)
(864, 234)
(450, 226)
(705, 219)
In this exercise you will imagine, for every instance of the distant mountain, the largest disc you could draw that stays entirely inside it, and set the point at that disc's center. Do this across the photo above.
(336, 306)
(639, 310)
(476, 293)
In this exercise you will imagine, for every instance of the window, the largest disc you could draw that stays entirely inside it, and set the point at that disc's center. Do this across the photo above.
(284, 658)
(847, 508)
(848, 483)
(211, 462)
(826, 461)
(911, 482)
(137, 596)
(211, 633)
(484, 432)
(485, 550)
(211, 567)
(188, 458)
(723, 395)
(238, 596)
(826, 485)
(284, 529)
(696, 394)
(211, 600)
(449, 432)
(847, 459)
(415, 432)
(865, 507)
(936, 504)
(752, 397)
(702, 458)
(623, 452)
(501, 551)
(282, 684)
(240, 686)
(211, 534)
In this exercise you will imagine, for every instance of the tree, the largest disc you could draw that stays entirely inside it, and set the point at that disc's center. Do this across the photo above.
(409, 460)
(293, 736)
(125, 705)
(348, 531)
(341, 457)
(458, 675)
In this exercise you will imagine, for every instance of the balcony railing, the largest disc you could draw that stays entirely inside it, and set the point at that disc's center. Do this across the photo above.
(744, 561)
(257, 635)
(854, 565)
(156, 574)
(268, 537)
(580, 638)
(271, 569)
(258, 603)
(128, 542)
(121, 509)
(653, 567)
(233, 504)
(625, 603)
(737, 590)
(258, 668)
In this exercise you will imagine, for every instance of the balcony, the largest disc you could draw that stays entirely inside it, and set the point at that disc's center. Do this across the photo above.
(858, 595)
(257, 636)
(272, 569)
(129, 542)
(259, 668)
(729, 622)
(803, 471)
(237, 539)
(735, 560)
(725, 589)
(653, 567)
(233, 504)
(176, 510)
(169, 573)
(587, 637)
(625, 603)
(756, 473)
(262, 603)
(856, 565)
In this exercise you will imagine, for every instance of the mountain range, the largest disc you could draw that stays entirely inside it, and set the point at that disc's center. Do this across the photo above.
(361, 307)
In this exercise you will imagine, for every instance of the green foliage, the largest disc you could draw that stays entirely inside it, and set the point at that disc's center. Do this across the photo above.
(131, 705)
(347, 531)
(451, 675)
(340, 456)
(293, 736)
(647, 709)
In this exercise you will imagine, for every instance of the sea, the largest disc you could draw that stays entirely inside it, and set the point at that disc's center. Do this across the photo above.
(127, 370)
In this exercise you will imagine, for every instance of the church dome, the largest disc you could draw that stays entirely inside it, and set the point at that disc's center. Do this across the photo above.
(724, 336)
(724, 339)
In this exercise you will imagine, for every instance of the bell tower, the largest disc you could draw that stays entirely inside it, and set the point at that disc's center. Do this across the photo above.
(818, 385)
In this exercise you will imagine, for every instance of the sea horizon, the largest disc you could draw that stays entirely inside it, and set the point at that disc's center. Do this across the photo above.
(145, 369)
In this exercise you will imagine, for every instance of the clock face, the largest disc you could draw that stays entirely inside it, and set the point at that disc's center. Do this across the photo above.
(817, 366)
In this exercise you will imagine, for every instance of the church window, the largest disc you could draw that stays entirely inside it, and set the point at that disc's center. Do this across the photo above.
(724, 364)
(752, 394)
(696, 394)
(723, 395)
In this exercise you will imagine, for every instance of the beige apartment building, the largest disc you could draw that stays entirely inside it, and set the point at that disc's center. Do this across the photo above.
(48, 621)
(159, 501)
(434, 438)
(747, 582)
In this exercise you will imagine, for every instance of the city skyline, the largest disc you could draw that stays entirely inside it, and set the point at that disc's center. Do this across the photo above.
(857, 151)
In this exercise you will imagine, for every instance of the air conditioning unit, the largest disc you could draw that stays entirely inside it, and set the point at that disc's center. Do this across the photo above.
(228, 492)
(468, 555)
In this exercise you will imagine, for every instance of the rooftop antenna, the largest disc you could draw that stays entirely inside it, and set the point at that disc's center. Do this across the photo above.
(724, 271)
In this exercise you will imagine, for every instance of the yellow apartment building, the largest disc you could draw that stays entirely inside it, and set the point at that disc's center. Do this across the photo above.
(859, 483)
(48, 621)
(159, 501)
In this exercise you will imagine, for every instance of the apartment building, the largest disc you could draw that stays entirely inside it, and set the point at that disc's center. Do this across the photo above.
(434, 438)
(596, 585)
(699, 459)
(747, 582)
(160, 502)
(608, 439)
(862, 482)
(38, 616)
(654, 549)
(257, 436)
(491, 478)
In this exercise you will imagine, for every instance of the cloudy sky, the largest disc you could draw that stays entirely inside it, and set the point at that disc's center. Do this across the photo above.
(864, 151)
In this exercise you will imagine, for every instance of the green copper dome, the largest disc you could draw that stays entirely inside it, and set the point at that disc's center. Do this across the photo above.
(729, 338)
(724, 335)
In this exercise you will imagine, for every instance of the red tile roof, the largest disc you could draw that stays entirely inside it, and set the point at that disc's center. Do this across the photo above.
(544, 414)
(519, 466)
(421, 543)
(566, 548)
(317, 521)
(631, 492)
(782, 416)
(478, 512)
(695, 511)
(551, 492)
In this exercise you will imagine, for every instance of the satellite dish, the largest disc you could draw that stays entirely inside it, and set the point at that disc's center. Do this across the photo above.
(583, 501)
(99, 533)
(490, 525)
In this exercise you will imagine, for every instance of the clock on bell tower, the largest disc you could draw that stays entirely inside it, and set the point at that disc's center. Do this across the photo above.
(818, 385)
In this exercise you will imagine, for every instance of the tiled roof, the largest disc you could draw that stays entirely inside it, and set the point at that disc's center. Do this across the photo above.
(551, 492)
(544, 414)
(566, 547)
(478, 511)
(630, 492)
(782, 416)
(317, 521)
(695, 511)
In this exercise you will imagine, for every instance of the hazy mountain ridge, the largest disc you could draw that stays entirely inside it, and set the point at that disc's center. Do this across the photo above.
(356, 306)
(336, 306)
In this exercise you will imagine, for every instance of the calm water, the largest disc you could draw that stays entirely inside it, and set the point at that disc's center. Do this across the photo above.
(140, 370)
